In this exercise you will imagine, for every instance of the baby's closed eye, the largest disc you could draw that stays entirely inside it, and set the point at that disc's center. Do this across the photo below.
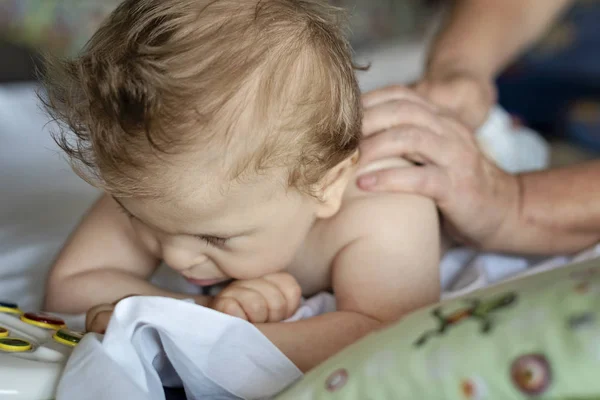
(213, 240)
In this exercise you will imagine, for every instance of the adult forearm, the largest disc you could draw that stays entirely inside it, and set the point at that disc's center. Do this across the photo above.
(558, 211)
(311, 341)
(78, 293)
(482, 36)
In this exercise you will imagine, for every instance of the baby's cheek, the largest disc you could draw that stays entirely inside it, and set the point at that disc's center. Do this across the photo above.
(261, 265)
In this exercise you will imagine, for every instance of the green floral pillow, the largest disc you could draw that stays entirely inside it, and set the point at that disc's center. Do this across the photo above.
(536, 338)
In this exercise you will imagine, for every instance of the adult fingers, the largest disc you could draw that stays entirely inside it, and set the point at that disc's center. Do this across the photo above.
(393, 92)
(469, 97)
(428, 181)
(407, 141)
(399, 112)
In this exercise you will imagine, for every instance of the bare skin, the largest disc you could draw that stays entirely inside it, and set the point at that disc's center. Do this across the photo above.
(379, 253)
(548, 212)
(477, 41)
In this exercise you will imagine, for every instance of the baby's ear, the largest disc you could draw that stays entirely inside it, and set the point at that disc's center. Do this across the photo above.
(333, 185)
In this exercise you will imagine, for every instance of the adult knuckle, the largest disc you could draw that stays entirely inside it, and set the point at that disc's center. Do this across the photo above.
(397, 89)
(376, 145)
(470, 157)
(451, 123)
(410, 135)
(405, 106)
(439, 92)
(430, 184)
(424, 184)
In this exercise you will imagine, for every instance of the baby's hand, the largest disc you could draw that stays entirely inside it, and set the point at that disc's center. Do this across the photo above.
(272, 298)
(97, 317)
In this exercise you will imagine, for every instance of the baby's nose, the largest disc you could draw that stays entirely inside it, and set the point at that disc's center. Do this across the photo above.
(183, 260)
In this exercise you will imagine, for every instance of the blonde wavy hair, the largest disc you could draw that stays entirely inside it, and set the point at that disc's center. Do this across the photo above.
(161, 76)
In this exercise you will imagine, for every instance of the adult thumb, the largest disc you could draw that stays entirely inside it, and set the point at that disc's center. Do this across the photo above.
(423, 180)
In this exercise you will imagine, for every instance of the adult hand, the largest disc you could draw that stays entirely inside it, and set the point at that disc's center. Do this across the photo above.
(464, 93)
(475, 197)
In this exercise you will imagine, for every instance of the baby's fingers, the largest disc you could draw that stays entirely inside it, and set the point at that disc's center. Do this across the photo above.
(97, 318)
(274, 299)
(229, 306)
(254, 303)
(289, 289)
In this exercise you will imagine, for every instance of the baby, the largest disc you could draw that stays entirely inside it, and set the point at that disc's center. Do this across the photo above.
(225, 136)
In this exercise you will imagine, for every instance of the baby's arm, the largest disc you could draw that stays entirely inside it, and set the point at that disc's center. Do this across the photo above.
(391, 268)
(102, 262)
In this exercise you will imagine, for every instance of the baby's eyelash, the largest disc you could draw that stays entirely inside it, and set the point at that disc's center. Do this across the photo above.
(213, 240)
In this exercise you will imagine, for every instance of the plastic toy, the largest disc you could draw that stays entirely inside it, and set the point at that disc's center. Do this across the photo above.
(34, 348)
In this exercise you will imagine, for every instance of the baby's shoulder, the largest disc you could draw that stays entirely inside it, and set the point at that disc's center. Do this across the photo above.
(378, 213)
(386, 223)
(377, 217)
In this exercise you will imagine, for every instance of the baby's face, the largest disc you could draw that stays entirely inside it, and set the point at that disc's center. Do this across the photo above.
(248, 231)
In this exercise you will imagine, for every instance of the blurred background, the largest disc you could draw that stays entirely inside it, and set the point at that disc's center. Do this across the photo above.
(554, 88)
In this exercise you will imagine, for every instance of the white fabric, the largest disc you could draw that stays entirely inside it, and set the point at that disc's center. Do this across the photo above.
(156, 341)
(513, 148)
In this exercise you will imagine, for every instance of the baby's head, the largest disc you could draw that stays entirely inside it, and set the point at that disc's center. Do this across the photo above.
(224, 127)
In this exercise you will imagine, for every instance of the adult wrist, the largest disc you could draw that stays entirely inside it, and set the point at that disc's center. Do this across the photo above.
(445, 66)
(511, 203)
